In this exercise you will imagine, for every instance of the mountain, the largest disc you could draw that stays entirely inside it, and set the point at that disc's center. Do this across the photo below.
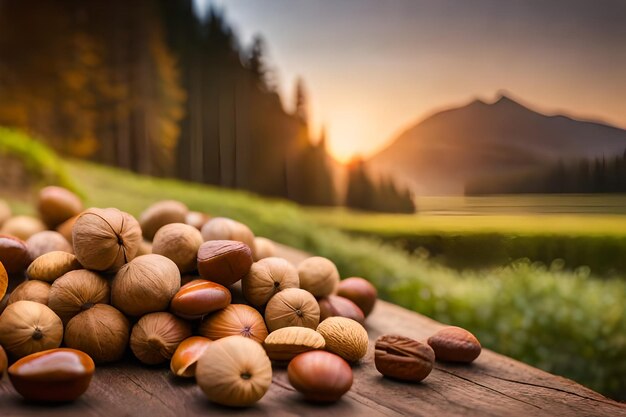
(440, 154)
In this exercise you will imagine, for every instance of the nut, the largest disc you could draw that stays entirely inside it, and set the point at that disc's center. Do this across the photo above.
(101, 332)
(198, 298)
(4, 281)
(13, 254)
(105, 239)
(57, 204)
(292, 307)
(156, 336)
(286, 343)
(334, 305)
(4, 362)
(236, 319)
(234, 371)
(144, 285)
(52, 265)
(56, 375)
(222, 228)
(22, 227)
(360, 291)
(159, 214)
(263, 248)
(319, 276)
(196, 219)
(77, 291)
(266, 278)
(403, 358)
(345, 337)
(47, 241)
(186, 356)
(33, 290)
(320, 376)
(178, 242)
(224, 261)
(66, 227)
(27, 327)
(454, 344)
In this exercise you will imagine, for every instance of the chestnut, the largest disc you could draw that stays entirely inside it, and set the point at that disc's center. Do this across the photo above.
(198, 298)
(320, 376)
(360, 291)
(186, 355)
(334, 305)
(224, 261)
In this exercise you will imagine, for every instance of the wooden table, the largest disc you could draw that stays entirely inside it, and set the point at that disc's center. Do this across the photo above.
(493, 385)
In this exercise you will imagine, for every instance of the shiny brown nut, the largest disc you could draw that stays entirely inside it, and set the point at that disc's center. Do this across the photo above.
(286, 343)
(198, 298)
(267, 277)
(57, 204)
(56, 375)
(236, 319)
(4, 281)
(178, 242)
(4, 361)
(13, 254)
(360, 291)
(403, 358)
(185, 358)
(454, 344)
(224, 261)
(32, 290)
(159, 214)
(47, 241)
(22, 227)
(52, 265)
(320, 376)
(345, 337)
(334, 305)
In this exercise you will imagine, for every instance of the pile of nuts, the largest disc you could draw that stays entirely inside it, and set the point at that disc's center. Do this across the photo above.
(177, 287)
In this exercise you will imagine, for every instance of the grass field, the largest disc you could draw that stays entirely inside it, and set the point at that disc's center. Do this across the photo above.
(569, 323)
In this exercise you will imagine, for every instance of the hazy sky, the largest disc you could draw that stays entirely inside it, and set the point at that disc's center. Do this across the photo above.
(374, 67)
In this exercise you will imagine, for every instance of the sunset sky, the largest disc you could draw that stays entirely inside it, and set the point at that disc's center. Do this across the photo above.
(374, 67)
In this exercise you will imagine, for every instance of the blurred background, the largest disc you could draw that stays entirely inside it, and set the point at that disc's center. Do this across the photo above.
(468, 157)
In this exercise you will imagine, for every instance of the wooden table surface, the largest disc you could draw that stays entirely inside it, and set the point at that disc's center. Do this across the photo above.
(494, 385)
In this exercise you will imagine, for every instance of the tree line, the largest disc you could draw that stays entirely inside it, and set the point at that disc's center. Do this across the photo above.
(152, 87)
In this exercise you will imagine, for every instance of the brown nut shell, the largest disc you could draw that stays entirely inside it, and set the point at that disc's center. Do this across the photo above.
(47, 241)
(52, 265)
(22, 227)
(334, 305)
(319, 276)
(345, 337)
(199, 298)
(234, 371)
(266, 278)
(236, 319)
(320, 376)
(292, 307)
(178, 242)
(161, 213)
(27, 327)
(224, 261)
(32, 290)
(57, 204)
(403, 358)
(77, 291)
(105, 239)
(56, 375)
(360, 291)
(455, 344)
(13, 254)
(156, 336)
(185, 358)
(286, 343)
(102, 332)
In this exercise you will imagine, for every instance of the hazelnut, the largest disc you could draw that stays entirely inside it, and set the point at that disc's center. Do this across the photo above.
(145, 284)
(77, 291)
(196, 219)
(263, 248)
(56, 375)
(4, 281)
(345, 337)
(52, 265)
(360, 291)
(47, 241)
(319, 276)
(454, 344)
(57, 204)
(102, 332)
(66, 227)
(224, 261)
(198, 298)
(334, 305)
(33, 290)
(156, 336)
(105, 239)
(403, 358)
(222, 228)
(236, 319)
(22, 227)
(266, 278)
(27, 327)
(5, 212)
(186, 356)
(178, 242)
(292, 307)
(159, 214)
(320, 376)
(13, 254)
(286, 343)
(234, 371)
